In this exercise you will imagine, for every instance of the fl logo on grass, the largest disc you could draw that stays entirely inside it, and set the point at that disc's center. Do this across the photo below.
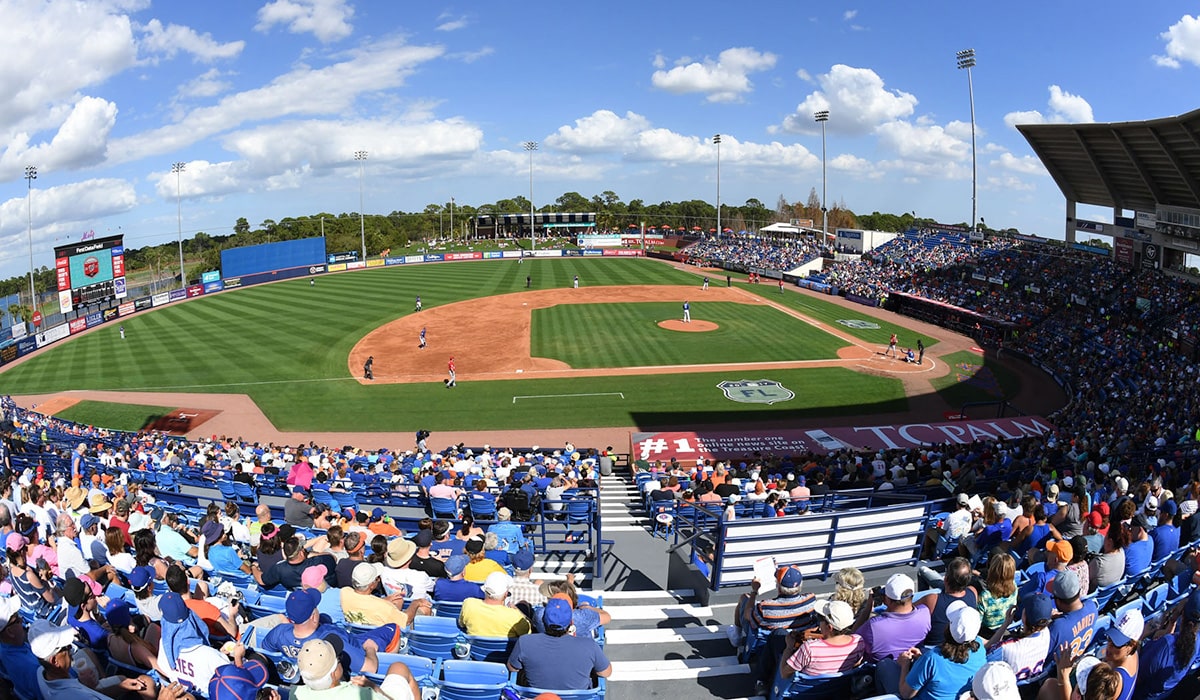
(765, 391)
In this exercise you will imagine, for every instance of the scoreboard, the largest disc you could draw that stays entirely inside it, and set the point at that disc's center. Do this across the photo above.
(90, 271)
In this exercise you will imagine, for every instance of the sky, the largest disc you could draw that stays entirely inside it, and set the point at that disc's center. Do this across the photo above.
(266, 102)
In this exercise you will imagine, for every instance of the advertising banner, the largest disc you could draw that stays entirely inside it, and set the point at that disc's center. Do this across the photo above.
(346, 257)
(1135, 235)
(65, 302)
(26, 345)
(126, 308)
(160, 299)
(598, 240)
(996, 280)
(433, 257)
(1146, 220)
(53, 334)
(110, 314)
(512, 254)
(1085, 225)
(979, 276)
(634, 239)
(19, 330)
(1123, 251)
(1150, 256)
(375, 262)
(592, 251)
(849, 234)
(78, 325)
(142, 304)
(316, 269)
(691, 445)
(337, 267)
(230, 283)
(8, 353)
(547, 253)
(94, 319)
(621, 253)
(195, 290)
(213, 287)
(177, 294)
(464, 256)
(393, 261)
(414, 258)
(210, 276)
(357, 265)
(493, 254)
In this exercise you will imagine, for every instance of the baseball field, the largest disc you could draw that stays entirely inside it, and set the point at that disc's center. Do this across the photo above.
(610, 353)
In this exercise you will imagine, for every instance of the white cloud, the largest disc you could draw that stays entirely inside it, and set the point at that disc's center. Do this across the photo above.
(849, 15)
(725, 80)
(63, 209)
(452, 25)
(173, 38)
(927, 144)
(368, 70)
(850, 163)
(856, 99)
(659, 61)
(1025, 165)
(65, 47)
(327, 20)
(1183, 43)
(472, 56)
(81, 139)
(602, 130)
(804, 75)
(1064, 108)
(207, 84)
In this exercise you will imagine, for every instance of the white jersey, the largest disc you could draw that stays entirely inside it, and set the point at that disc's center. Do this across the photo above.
(1026, 656)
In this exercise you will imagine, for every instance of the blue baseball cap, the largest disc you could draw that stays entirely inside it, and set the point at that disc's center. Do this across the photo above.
(141, 577)
(456, 564)
(557, 613)
(1037, 608)
(117, 613)
(301, 604)
(87, 521)
(172, 607)
(522, 560)
(234, 683)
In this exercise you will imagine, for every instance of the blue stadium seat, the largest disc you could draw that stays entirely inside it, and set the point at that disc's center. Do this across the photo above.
(834, 686)
(472, 680)
(434, 637)
(447, 608)
(528, 693)
(424, 671)
(446, 508)
(494, 649)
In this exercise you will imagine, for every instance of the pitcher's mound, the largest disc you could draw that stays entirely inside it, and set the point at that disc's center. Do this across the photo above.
(690, 327)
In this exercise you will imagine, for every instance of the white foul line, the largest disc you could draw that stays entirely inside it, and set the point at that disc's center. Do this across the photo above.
(562, 396)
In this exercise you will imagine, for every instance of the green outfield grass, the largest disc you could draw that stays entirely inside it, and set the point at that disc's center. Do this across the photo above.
(632, 338)
(833, 314)
(116, 416)
(974, 377)
(285, 345)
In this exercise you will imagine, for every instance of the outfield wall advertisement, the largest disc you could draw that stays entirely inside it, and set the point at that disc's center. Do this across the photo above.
(691, 445)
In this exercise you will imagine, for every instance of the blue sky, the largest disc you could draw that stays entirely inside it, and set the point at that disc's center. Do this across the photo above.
(266, 103)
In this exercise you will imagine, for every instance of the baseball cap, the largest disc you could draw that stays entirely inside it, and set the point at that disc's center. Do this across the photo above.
(313, 575)
(1095, 519)
(1140, 520)
(995, 681)
(9, 606)
(1128, 628)
(423, 538)
(557, 613)
(837, 612)
(963, 499)
(212, 532)
(45, 639)
(172, 607)
(1037, 608)
(316, 661)
(522, 560)
(87, 521)
(504, 513)
(789, 577)
(140, 577)
(399, 552)
(1170, 507)
(964, 622)
(233, 683)
(1061, 549)
(117, 613)
(456, 564)
(496, 584)
(75, 592)
(299, 489)
(1083, 667)
(301, 604)
(899, 586)
(364, 574)
(474, 545)
(15, 542)
(1102, 508)
(1066, 585)
(1151, 505)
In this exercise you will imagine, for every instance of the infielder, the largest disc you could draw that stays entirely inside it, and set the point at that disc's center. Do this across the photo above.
(418, 304)
(706, 284)
(450, 368)
(577, 281)
(687, 312)
(421, 342)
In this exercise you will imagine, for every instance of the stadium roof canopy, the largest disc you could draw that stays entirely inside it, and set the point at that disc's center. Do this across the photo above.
(1130, 165)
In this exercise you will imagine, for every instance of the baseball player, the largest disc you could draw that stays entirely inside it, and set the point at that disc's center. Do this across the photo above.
(122, 332)
(450, 368)
(706, 284)
(577, 281)
(369, 367)
(891, 349)
(421, 342)
(418, 305)
(687, 312)
(312, 281)
(781, 286)
(920, 352)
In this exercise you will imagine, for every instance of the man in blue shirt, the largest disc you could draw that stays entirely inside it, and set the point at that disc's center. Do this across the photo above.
(1140, 550)
(1160, 668)
(1074, 628)
(557, 660)
(509, 534)
(1166, 535)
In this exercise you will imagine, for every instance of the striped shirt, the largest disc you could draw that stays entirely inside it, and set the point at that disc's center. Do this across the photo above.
(817, 657)
(783, 612)
(1027, 656)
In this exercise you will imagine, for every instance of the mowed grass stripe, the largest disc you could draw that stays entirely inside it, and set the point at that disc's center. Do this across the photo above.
(627, 335)
(829, 313)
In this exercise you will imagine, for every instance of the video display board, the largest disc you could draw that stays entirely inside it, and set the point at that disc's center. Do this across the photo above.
(90, 271)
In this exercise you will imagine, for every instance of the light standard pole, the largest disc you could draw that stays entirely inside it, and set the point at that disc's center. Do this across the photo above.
(717, 140)
(966, 59)
(822, 117)
(30, 176)
(451, 218)
(531, 146)
(178, 168)
(361, 156)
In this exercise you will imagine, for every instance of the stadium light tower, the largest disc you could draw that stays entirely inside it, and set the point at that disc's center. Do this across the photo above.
(966, 60)
(30, 176)
(361, 156)
(717, 141)
(822, 117)
(178, 168)
(531, 146)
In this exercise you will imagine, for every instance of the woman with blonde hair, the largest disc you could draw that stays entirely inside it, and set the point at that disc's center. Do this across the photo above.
(999, 591)
(849, 587)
